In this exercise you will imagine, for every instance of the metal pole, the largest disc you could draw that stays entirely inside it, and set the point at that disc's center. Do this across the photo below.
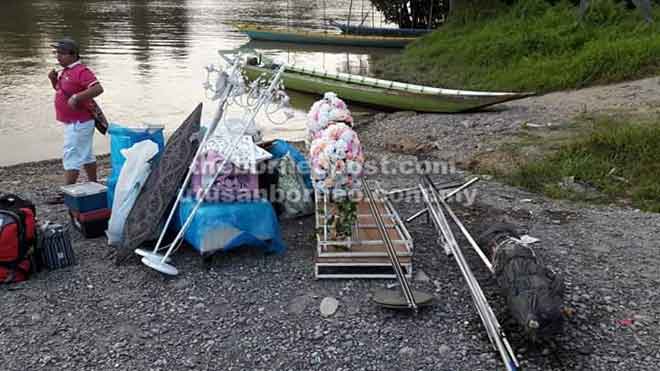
(465, 232)
(233, 145)
(447, 197)
(391, 251)
(348, 23)
(362, 17)
(200, 148)
(493, 329)
(325, 16)
(428, 26)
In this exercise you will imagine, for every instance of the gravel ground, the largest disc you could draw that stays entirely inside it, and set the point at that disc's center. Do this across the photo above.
(250, 311)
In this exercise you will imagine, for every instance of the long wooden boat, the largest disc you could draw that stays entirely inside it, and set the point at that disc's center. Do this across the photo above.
(320, 37)
(268, 46)
(385, 94)
(378, 31)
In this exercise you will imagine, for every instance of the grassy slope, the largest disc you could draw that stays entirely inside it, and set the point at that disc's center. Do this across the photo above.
(533, 47)
(620, 160)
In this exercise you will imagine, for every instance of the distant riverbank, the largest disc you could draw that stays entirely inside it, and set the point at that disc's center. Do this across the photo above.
(533, 46)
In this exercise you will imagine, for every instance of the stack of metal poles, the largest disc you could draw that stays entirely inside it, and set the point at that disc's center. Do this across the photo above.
(437, 206)
(391, 251)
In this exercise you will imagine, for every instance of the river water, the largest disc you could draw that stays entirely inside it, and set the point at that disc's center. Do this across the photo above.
(150, 58)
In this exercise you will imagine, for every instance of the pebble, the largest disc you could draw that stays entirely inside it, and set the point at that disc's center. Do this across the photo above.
(329, 306)
(443, 349)
(406, 352)
(421, 276)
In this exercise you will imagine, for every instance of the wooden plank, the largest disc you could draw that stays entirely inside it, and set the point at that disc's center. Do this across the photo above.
(349, 261)
(365, 256)
(367, 270)
(376, 249)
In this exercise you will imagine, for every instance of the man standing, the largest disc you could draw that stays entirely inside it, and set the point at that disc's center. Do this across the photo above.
(74, 85)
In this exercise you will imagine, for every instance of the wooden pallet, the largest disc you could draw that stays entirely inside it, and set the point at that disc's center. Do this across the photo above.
(363, 255)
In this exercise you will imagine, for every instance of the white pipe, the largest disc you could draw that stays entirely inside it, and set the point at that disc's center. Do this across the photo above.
(233, 145)
(207, 134)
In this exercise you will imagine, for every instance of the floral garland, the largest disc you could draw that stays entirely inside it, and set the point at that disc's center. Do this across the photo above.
(325, 112)
(336, 159)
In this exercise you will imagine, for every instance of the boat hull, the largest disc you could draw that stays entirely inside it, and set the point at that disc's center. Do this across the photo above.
(327, 38)
(379, 31)
(382, 98)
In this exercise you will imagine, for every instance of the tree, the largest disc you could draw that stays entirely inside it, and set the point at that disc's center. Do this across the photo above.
(413, 13)
(644, 7)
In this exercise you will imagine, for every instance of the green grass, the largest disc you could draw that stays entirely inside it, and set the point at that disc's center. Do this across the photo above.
(618, 160)
(533, 46)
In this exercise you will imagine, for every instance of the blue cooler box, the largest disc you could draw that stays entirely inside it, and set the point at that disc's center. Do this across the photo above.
(122, 137)
(84, 197)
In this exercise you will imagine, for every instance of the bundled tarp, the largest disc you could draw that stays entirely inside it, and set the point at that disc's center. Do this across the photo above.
(533, 292)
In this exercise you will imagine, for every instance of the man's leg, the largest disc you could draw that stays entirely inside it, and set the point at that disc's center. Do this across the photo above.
(70, 176)
(69, 162)
(84, 146)
(90, 169)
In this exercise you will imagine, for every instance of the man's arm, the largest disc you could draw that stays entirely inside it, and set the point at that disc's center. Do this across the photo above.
(89, 93)
(52, 76)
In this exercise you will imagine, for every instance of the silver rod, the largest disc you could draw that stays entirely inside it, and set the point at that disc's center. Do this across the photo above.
(441, 221)
(493, 328)
(348, 23)
(417, 215)
(232, 147)
(448, 196)
(465, 232)
(467, 235)
(396, 264)
(416, 189)
(200, 148)
(467, 184)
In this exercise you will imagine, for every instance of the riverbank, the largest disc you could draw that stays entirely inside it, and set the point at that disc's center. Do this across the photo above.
(533, 46)
(246, 310)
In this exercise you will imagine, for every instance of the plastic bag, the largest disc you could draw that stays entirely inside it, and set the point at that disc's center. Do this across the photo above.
(133, 174)
(296, 197)
(122, 137)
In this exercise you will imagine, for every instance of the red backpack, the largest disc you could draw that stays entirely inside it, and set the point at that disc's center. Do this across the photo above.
(17, 237)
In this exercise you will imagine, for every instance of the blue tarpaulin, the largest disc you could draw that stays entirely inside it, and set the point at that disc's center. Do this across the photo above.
(225, 226)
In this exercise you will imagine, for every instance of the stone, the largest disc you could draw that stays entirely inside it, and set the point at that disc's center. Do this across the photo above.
(298, 304)
(406, 352)
(421, 276)
(329, 306)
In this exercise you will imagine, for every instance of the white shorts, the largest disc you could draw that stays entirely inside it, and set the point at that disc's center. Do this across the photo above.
(78, 140)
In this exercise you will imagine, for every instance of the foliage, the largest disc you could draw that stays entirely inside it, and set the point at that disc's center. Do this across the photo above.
(620, 160)
(413, 13)
(533, 46)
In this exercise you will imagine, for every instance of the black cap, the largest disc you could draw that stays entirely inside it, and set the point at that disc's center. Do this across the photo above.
(67, 43)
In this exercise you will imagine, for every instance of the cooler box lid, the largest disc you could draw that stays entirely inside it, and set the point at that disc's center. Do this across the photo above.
(83, 189)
